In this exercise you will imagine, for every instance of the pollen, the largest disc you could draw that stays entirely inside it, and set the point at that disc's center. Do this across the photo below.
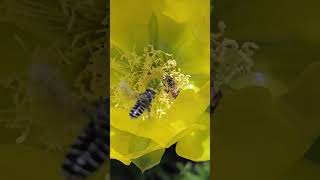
(137, 72)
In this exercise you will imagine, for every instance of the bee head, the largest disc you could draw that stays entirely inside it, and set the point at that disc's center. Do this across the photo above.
(152, 91)
(155, 84)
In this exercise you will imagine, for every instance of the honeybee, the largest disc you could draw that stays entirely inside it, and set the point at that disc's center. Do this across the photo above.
(171, 86)
(143, 103)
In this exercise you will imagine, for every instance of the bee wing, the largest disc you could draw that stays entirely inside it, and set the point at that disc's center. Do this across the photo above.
(45, 80)
(125, 89)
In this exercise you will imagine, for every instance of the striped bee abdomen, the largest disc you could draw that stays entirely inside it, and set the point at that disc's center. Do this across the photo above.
(137, 109)
(91, 148)
(144, 102)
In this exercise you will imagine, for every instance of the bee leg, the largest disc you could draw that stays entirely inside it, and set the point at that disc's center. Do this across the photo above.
(148, 110)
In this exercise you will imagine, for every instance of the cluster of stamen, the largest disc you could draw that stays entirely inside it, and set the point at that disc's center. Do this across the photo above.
(137, 71)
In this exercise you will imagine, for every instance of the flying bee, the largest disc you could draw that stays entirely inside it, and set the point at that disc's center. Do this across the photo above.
(143, 100)
(88, 153)
(143, 103)
(171, 86)
(91, 149)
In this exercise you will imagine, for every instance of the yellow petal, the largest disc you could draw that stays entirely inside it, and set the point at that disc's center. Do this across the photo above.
(302, 170)
(196, 146)
(193, 54)
(183, 11)
(159, 130)
(304, 97)
(165, 134)
(129, 146)
(120, 119)
(149, 160)
(179, 121)
(118, 156)
(12, 167)
(128, 30)
(249, 128)
(193, 46)
(189, 105)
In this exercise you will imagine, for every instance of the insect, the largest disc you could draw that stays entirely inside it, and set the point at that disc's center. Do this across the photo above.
(171, 86)
(91, 149)
(143, 103)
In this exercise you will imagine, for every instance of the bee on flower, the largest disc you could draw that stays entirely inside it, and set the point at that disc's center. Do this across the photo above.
(171, 86)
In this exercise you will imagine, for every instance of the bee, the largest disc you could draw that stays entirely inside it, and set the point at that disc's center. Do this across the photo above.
(91, 149)
(143, 103)
(171, 86)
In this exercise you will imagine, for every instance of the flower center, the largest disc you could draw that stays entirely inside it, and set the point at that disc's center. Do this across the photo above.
(153, 69)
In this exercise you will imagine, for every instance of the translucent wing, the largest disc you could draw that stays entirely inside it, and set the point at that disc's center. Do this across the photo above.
(127, 91)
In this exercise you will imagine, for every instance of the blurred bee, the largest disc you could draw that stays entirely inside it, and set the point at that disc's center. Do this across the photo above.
(171, 86)
(91, 149)
(143, 103)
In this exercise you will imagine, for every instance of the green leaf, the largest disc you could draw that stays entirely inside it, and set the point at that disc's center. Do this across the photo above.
(149, 160)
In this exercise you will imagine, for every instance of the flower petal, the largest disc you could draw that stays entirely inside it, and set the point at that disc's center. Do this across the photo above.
(304, 96)
(198, 138)
(166, 134)
(189, 105)
(149, 160)
(129, 146)
(304, 169)
(120, 119)
(159, 130)
(193, 47)
(248, 129)
(180, 119)
(118, 156)
(178, 124)
(128, 30)
(11, 162)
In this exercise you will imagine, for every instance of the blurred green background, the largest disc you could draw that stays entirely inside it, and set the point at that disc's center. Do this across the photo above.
(271, 132)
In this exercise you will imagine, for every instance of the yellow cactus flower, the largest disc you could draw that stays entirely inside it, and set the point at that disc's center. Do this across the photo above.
(152, 40)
